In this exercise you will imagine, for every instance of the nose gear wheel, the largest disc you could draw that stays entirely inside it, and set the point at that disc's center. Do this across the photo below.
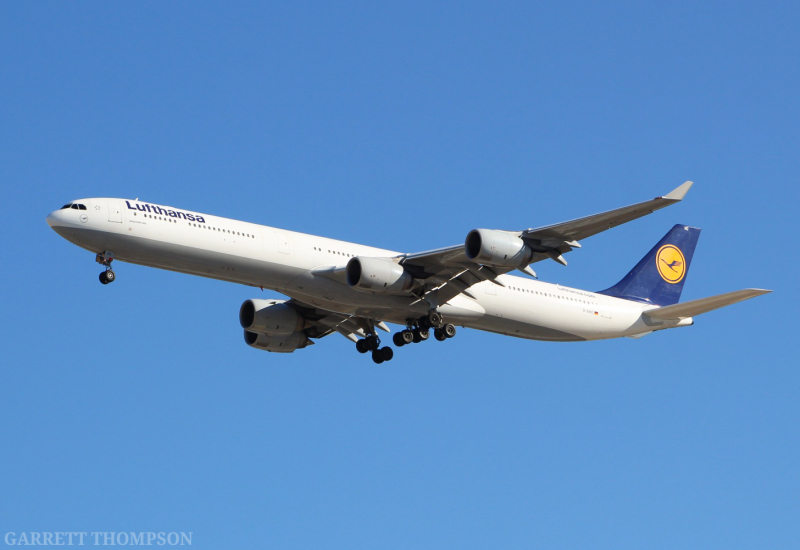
(108, 275)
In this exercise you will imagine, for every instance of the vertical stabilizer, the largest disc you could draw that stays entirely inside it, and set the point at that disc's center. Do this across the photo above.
(658, 278)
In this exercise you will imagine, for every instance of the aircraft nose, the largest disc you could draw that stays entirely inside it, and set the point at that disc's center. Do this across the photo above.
(54, 219)
(51, 219)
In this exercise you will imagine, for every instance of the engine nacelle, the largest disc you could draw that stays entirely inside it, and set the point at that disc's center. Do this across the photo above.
(272, 317)
(277, 344)
(497, 248)
(378, 275)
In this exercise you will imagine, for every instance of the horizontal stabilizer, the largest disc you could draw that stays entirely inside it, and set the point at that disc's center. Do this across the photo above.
(703, 305)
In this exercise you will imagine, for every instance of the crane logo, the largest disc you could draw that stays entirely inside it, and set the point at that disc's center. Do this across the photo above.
(670, 263)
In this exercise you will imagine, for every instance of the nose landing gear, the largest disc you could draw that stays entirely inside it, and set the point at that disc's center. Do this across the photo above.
(105, 259)
(107, 277)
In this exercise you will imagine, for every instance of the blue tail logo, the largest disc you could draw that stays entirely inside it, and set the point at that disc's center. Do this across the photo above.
(658, 278)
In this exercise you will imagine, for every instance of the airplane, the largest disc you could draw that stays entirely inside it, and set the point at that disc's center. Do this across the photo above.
(354, 290)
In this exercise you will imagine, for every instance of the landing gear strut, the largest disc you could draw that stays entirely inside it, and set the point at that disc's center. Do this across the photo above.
(105, 259)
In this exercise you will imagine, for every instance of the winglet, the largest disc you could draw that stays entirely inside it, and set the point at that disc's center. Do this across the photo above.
(679, 192)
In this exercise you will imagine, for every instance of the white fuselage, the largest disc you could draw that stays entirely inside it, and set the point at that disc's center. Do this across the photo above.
(291, 263)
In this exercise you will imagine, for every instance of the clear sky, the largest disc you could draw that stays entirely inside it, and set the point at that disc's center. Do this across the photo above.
(138, 407)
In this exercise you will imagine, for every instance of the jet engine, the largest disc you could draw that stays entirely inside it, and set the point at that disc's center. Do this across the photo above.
(497, 248)
(378, 275)
(273, 317)
(278, 344)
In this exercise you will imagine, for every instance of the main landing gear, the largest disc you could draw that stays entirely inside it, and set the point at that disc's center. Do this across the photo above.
(441, 330)
(417, 330)
(411, 335)
(372, 343)
(105, 259)
(442, 334)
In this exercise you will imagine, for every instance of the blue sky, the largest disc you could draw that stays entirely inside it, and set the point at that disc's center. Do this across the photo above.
(138, 407)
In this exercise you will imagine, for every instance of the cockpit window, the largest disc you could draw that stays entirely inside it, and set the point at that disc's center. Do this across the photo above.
(74, 206)
(81, 207)
(66, 206)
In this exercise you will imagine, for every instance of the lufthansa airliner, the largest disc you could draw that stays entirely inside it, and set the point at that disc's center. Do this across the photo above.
(354, 290)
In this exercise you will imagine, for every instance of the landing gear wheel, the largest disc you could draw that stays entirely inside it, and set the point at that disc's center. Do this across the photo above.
(105, 259)
(361, 346)
(439, 335)
(397, 338)
(435, 320)
(372, 342)
(386, 353)
(407, 336)
(420, 335)
(377, 357)
(449, 330)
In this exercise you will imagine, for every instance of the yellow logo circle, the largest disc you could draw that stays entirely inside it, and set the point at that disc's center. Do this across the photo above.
(670, 263)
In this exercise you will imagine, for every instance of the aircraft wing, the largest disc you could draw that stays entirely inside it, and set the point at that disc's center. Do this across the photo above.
(449, 272)
(581, 228)
(322, 322)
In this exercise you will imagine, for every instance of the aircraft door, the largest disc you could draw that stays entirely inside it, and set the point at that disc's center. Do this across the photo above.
(283, 243)
(114, 212)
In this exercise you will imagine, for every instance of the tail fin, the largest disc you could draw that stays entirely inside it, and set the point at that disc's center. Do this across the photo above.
(658, 278)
